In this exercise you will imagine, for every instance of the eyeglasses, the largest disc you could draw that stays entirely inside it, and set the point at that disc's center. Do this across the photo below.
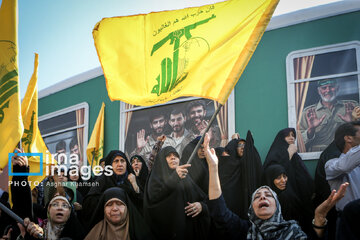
(241, 145)
(57, 205)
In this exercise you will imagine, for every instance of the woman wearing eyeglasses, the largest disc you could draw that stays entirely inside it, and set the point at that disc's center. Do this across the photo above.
(61, 222)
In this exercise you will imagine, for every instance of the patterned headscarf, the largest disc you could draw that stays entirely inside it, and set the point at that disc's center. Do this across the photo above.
(275, 227)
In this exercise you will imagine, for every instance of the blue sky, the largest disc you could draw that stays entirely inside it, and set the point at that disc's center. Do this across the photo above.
(60, 31)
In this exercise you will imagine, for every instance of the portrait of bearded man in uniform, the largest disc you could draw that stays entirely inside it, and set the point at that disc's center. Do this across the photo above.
(320, 120)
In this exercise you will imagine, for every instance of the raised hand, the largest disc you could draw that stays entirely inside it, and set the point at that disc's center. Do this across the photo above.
(8, 235)
(349, 107)
(292, 149)
(356, 113)
(182, 170)
(312, 120)
(210, 154)
(140, 139)
(19, 160)
(131, 178)
(235, 136)
(323, 209)
(201, 126)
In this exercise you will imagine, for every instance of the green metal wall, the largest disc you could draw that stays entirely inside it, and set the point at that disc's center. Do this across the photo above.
(94, 93)
(261, 93)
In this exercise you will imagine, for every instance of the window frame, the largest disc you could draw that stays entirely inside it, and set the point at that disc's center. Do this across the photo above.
(290, 77)
(72, 108)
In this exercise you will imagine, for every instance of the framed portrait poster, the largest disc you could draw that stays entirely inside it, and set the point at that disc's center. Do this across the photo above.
(323, 89)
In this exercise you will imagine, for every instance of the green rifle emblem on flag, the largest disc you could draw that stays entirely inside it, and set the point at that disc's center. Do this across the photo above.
(29, 133)
(168, 79)
(96, 153)
(8, 85)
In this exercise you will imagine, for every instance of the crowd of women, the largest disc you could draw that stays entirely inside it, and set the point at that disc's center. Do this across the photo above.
(223, 193)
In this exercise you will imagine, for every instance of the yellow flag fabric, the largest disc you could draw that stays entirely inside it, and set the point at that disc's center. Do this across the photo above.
(10, 118)
(95, 148)
(201, 51)
(31, 141)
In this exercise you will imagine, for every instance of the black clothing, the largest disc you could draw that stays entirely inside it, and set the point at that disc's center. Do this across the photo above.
(322, 187)
(22, 205)
(299, 182)
(292, 207)
(166, 196)
(298, 175)
(240, 176)
(144, 172)
(104, 182)
(349, 221)
(199, 170)
(138, 229)
(233, 226)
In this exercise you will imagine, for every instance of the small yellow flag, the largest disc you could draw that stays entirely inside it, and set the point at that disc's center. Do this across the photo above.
(10, 118)
(95, 148)
(201, 51)
(32, 142)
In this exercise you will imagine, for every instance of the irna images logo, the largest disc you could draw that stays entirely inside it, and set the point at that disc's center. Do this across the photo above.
(40, 155)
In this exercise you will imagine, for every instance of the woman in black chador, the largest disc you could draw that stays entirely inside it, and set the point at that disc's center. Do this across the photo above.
(140, 169)
(173, 205)
(240, 174)
(199, 171)
(292, 206)
(283, 151)
(123, 177)
(115, 217)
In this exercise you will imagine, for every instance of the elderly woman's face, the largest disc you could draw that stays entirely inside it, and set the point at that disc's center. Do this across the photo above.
(119, 165)
(115, 211)
(59, 211)
(264, 204)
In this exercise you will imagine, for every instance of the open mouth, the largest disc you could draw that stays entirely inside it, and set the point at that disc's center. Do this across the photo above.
(59, 215)
(263, 204)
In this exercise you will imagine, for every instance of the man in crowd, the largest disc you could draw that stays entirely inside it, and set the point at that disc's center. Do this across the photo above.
(347, 166)
(319, 121)
(74, 149)
(144, 145)
(179, 134)
(60, 148)
(196, 113)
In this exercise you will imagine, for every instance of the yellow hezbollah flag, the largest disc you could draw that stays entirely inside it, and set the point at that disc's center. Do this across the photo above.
(95, 148)
(201, 51)
(10, 119)
(32, 142)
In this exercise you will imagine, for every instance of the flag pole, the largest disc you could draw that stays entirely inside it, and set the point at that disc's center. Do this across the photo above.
(15, 217)
(92, 163)
(202, 136)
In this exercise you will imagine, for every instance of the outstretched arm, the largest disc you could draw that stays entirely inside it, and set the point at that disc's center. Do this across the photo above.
(212, 161)
(233, 226)
(322, 210)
